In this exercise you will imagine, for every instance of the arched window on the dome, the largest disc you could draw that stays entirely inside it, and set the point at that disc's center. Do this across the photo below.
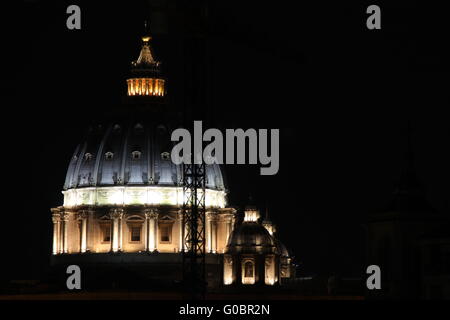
(248, 272)
(138, 128)
(165, 156)
(109, 155)
(248, 269)
(161, 129)
(136, 155)
(88, 156)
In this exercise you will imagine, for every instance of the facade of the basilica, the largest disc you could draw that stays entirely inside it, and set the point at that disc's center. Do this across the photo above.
(123, 200)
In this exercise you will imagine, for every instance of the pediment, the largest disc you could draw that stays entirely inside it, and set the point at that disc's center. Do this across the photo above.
(166, 218)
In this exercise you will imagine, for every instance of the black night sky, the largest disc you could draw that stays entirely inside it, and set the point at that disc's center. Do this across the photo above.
(341, 94)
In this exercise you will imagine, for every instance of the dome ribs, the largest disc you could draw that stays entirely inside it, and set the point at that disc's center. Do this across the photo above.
(100, 154)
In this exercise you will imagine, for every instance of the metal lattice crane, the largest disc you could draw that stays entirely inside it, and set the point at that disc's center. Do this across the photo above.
(194, 229)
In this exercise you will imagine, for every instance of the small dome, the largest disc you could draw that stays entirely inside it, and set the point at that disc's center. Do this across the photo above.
(251, 237)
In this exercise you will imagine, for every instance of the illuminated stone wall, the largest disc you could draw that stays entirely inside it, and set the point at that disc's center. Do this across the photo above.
(270, 270)
(149, 195)
(81, 229)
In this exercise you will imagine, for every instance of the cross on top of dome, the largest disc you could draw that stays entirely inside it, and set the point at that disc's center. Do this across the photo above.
(146, 55)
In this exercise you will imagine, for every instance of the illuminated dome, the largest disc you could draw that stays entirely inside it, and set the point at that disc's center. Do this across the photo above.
(130, 164)
(251, 237)
(252, 255)
(123, 194)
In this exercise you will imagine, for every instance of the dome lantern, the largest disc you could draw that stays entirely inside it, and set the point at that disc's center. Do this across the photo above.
(146, 78)
(251, 213)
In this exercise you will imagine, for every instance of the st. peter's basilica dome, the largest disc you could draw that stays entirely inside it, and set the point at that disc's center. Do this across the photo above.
(129, 163)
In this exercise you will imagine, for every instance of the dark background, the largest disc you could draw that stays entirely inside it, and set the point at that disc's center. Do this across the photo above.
(342, 96)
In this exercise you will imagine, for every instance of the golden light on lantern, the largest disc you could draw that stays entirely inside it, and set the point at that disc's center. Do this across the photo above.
(145, 87)
(146, 80)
